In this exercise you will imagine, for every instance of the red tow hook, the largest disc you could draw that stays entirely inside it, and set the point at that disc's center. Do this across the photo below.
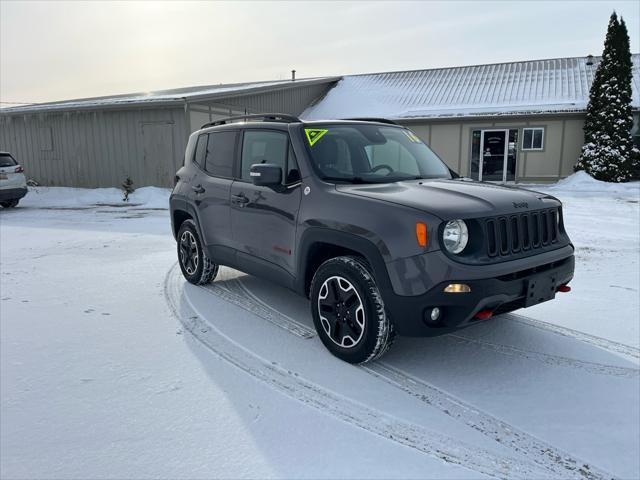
(564, 288)
(484, 314)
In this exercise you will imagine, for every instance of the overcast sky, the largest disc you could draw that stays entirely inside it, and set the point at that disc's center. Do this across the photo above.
(62, 50)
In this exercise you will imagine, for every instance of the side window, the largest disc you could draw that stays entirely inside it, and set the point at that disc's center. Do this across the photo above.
(220, 154)
(263, 146)
(293, 172)
(201, 150)
(533, 138)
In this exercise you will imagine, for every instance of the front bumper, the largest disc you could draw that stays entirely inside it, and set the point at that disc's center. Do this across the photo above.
(500, 294)
(7, 194)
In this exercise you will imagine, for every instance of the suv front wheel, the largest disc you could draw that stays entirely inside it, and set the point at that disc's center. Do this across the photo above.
(348, 311)
(196, 266)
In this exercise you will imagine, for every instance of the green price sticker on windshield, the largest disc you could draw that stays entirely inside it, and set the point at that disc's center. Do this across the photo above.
(314, 134)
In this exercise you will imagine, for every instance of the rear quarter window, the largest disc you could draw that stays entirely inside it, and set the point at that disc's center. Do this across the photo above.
(201, 150)
(220, 154)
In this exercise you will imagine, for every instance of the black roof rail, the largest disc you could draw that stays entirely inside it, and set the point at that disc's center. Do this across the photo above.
(371, 119)
(265, 117)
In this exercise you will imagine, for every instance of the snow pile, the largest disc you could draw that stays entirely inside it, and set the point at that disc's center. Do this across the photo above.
(66, 197)
(582, 182)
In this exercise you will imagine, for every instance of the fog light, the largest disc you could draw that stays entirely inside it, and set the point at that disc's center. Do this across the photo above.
(457, 288)
(435, 314)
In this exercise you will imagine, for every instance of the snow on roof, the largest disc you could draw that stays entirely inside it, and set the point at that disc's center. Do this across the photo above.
(529, 87)
(164, 96)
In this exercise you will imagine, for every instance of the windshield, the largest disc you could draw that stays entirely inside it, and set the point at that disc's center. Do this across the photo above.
(361, 153)
(6, 160)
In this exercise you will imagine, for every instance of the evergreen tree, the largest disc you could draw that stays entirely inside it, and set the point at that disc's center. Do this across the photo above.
(626, 77)
(608, 152)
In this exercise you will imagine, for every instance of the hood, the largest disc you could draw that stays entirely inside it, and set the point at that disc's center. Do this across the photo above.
(450, 199)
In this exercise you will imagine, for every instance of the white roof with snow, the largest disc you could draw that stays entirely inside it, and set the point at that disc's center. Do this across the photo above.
(530, 87)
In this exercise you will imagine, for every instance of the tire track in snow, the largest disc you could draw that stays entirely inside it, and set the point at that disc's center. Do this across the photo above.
(521, 442)
(309, 332)
(546, 358)
(599, 342)
(554, 360)
(289, 383)
(265, 312)
(538, 451)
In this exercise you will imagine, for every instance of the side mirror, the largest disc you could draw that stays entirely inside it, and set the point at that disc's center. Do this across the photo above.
(266, 174)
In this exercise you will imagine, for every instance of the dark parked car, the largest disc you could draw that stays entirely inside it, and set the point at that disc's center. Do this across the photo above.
(365, 220)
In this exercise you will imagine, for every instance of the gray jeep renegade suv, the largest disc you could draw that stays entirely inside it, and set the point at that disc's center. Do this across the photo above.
(365, 220)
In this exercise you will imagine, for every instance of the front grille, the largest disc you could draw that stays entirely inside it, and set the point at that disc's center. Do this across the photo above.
(513, 234)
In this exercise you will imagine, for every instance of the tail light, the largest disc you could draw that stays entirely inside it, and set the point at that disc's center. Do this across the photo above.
(19, 169)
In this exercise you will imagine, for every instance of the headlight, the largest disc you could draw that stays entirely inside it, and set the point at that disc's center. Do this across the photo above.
(455, 236)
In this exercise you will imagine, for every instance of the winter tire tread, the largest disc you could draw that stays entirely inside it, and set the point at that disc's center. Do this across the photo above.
(380, 333)
(207, 269)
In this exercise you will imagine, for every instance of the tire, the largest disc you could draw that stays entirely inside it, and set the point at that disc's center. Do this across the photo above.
(10, 203)
(196, 266)
(348, 311)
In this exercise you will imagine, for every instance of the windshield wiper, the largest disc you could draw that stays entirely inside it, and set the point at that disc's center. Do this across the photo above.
(354, 180)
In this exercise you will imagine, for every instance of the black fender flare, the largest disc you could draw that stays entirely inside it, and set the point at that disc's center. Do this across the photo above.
(179, 203)
(359, 244)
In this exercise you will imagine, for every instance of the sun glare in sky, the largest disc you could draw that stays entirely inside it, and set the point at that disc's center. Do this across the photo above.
(60, 50)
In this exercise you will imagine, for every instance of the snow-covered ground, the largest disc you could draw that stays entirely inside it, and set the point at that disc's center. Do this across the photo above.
(603, 221)
(112, 367)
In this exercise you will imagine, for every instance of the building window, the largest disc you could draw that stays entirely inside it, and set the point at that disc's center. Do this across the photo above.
(533, 138)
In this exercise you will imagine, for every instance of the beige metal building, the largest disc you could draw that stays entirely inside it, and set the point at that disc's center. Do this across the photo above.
(99, 142)
(505, 122)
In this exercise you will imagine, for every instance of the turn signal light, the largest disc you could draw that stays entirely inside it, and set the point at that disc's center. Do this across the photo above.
(457, 288)
(421, 234)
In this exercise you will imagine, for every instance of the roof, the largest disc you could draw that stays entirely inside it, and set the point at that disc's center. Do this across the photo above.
(529, 87)
(165, 97)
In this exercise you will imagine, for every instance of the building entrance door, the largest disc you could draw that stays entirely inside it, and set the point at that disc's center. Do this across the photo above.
(493, 155)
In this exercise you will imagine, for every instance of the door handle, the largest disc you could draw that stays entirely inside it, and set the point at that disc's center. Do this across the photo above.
(239, 200)
(198, 189)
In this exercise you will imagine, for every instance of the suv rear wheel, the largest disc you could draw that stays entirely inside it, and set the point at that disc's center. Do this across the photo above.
(348, 311)
(196, 266)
